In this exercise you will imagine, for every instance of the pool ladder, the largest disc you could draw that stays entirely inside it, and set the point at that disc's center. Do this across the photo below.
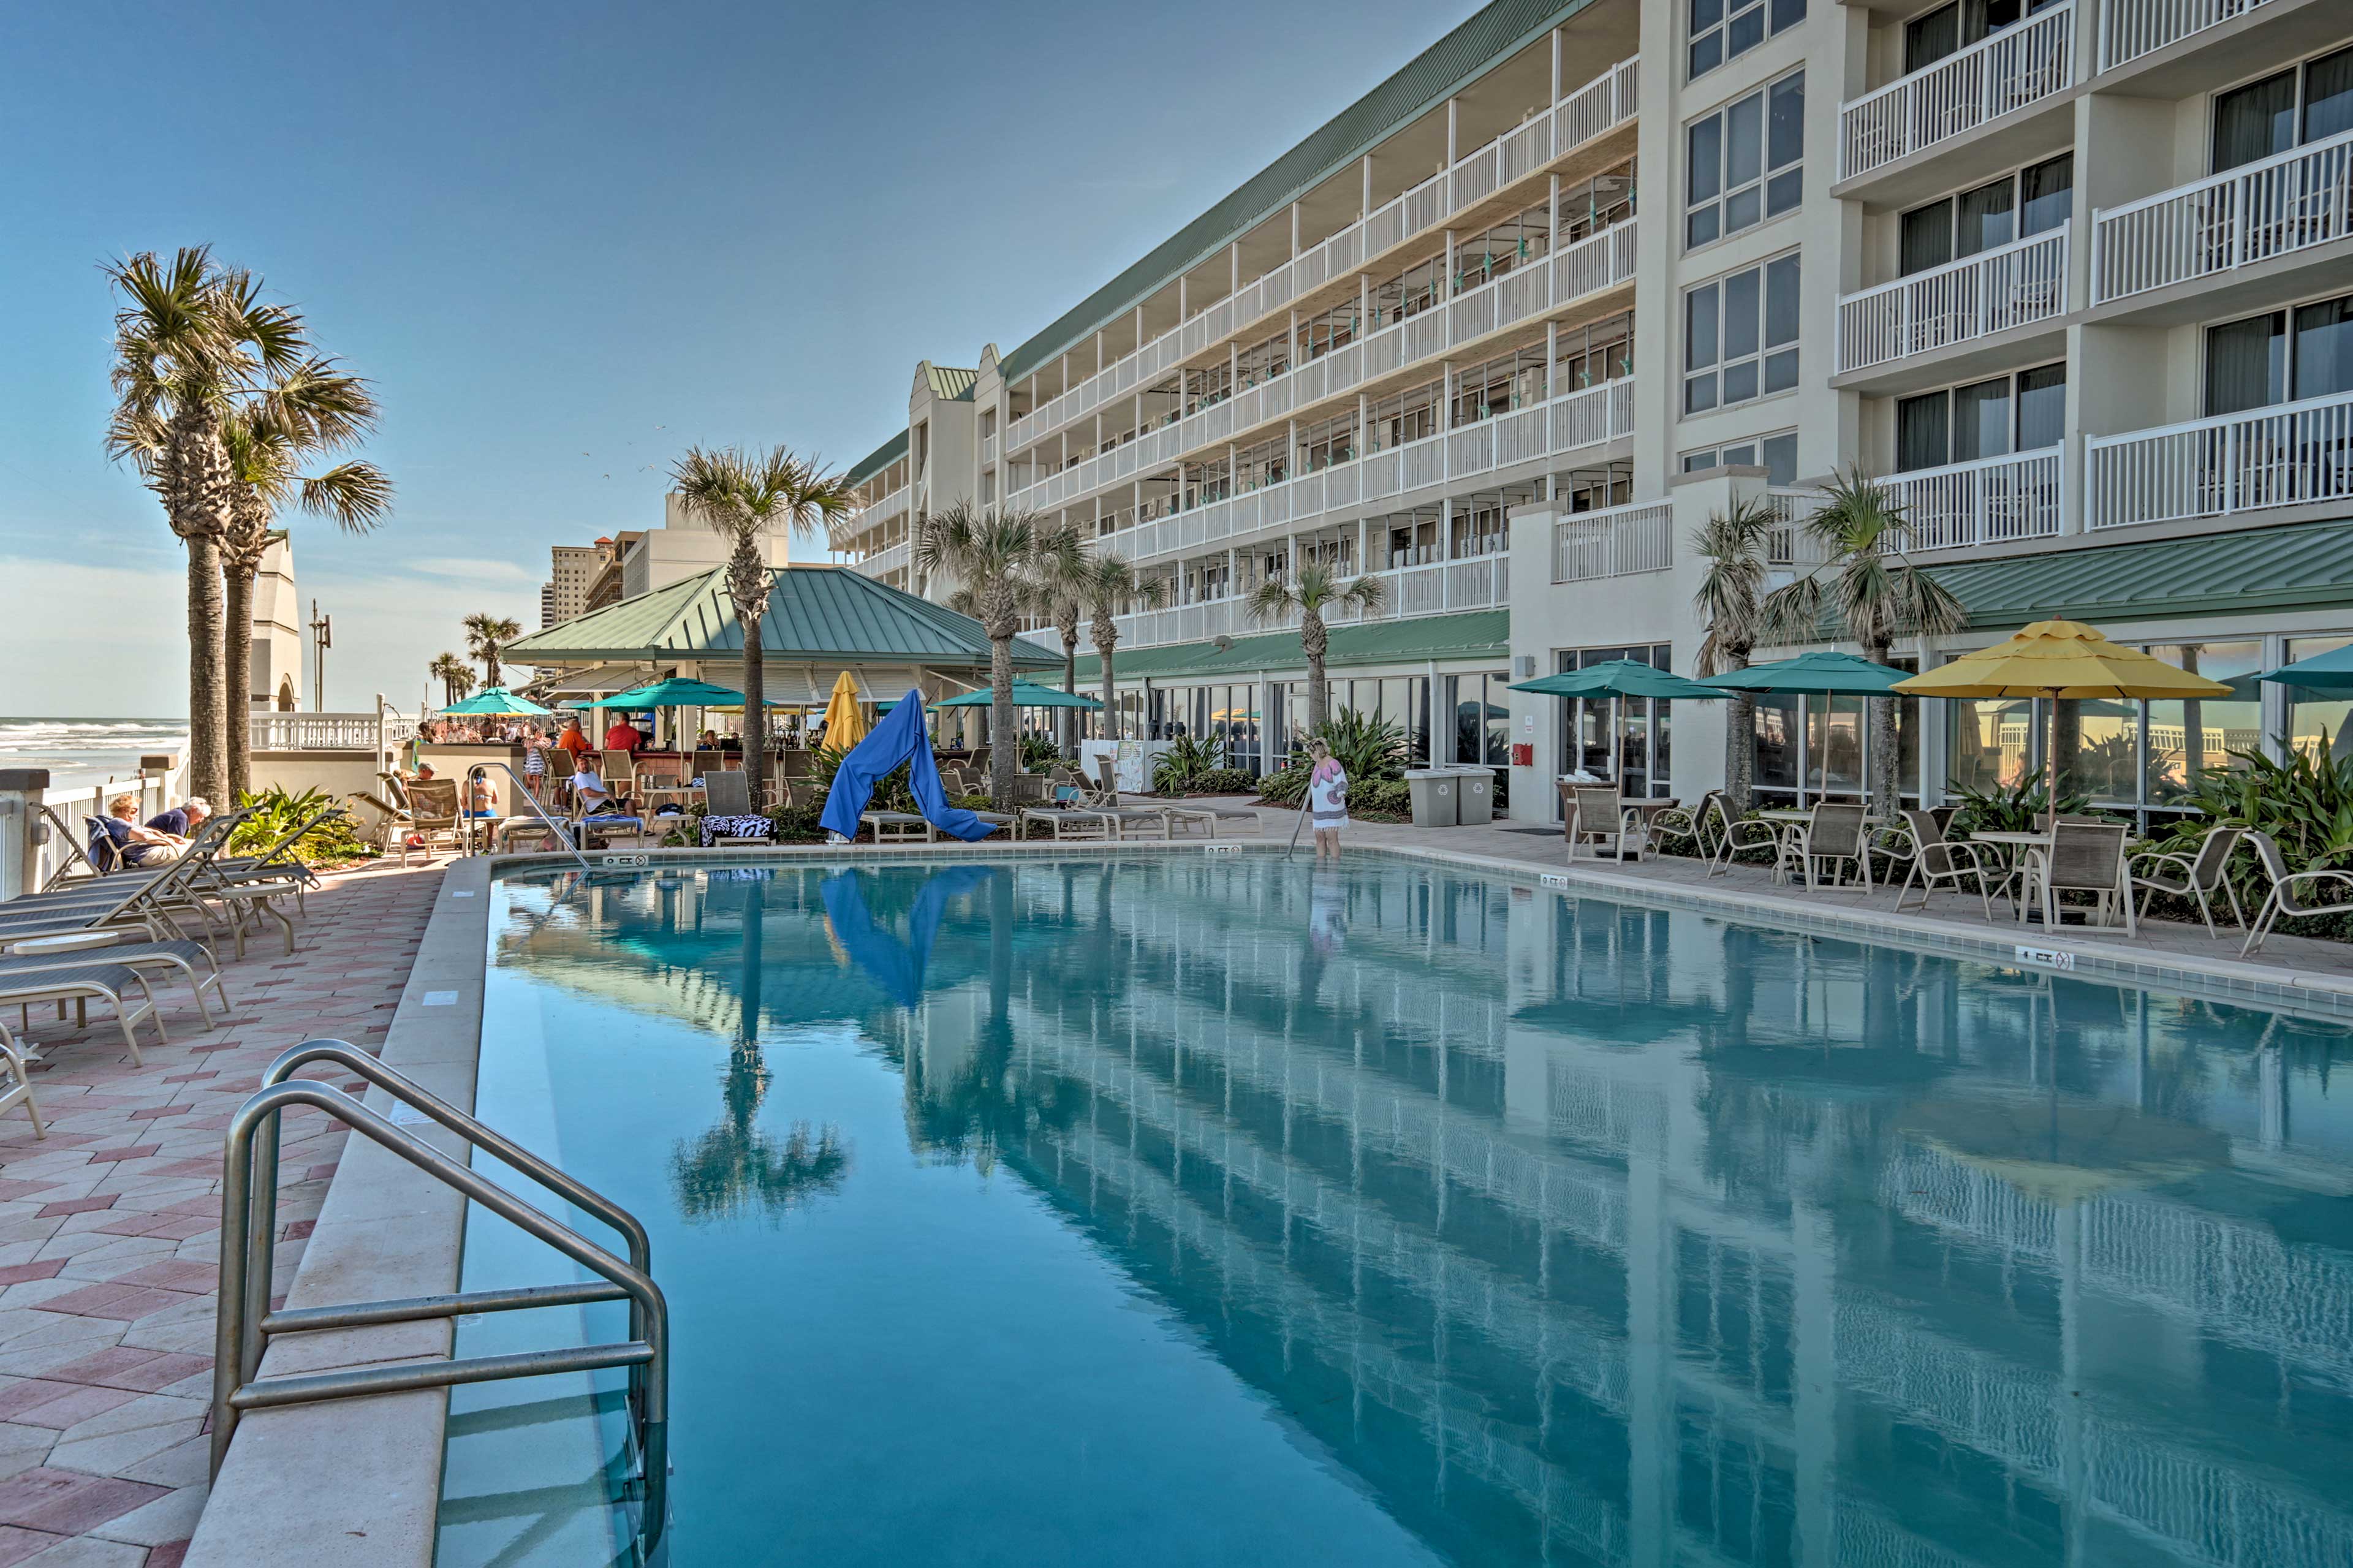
(248, 1229)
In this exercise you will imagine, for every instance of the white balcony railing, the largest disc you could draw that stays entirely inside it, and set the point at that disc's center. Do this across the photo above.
(1477, 583)
(883, 562)
(1589, 111)
(2290, 201)
(2012, 68)
(2016, 285)
(1594, 265)
(2131, 28)
(1614, 542)
(327, 731)
(2019, 494)
(2287, 455)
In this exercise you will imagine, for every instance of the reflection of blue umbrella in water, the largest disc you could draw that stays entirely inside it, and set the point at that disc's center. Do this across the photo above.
(894, 965)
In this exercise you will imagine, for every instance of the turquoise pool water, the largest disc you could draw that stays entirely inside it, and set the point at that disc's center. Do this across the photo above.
(1218, 1210)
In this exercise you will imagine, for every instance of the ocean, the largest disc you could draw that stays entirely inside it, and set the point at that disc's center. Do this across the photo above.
(78, 750)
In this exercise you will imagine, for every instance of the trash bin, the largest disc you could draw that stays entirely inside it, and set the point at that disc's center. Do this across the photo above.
(1474, 795)
(1434, 791)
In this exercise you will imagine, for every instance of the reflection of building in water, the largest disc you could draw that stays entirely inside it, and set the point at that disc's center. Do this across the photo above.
(1681, 1289)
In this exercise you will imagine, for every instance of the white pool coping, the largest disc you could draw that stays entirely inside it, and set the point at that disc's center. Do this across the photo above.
(357, 1483)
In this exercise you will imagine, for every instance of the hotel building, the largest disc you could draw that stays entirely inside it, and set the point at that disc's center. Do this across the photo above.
(2075, 278)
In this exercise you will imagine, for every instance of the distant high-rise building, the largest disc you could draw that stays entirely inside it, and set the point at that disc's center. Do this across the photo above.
(573, 570)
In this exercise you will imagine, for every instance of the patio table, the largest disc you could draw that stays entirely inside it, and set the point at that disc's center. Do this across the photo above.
(2015, 847)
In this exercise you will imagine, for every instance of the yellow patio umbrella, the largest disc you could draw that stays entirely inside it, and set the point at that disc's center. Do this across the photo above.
(845, 717)
(2060, 661)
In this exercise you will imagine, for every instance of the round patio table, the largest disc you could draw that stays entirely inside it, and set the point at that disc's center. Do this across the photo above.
(2015, 847)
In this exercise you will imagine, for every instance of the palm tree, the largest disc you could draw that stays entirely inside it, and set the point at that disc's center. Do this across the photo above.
(487, 636)
(456, 676)
(1732, 597)
(997, 560)
(1876, 593)
(1107, 588)
(314, 408)
(1312, 590)
(191, 340)
(1061, 587)
(743, 496)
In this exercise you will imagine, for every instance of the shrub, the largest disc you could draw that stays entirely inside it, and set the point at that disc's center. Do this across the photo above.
(277, 814)
(1391, 797)
(1039, 751)
(1224, 781)
(2304, 804)
(1181, 767)
(1369, 750)
(2010, 808)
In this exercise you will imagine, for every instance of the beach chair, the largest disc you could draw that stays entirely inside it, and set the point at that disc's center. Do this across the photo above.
(1939, 862)
(2284, 898)
(2194, 876)
(2081, 858)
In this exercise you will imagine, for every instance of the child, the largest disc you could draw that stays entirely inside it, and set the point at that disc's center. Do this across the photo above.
(1327, 799)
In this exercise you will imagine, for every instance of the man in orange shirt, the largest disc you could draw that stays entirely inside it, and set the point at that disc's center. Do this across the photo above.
(572, 739)
(623, 737)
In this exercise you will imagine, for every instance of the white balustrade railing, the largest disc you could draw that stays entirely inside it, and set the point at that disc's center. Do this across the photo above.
(2131, 28)
(1993, 77)
(2290, 201)
(1614, 542)
(2015, 285)
(1478, 583)
(1588, 112)
(2287, 455)
(2019, 494)
(1596, 264)
(317, 733)
(882, 562)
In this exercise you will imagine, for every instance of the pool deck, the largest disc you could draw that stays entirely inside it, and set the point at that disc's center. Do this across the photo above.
(105, 1279)
(110, 1229)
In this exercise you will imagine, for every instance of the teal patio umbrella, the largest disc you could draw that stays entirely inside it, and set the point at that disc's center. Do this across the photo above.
(1619, 678)
(497, 699)
(2330, 671)
(1815, 674)
(1025, 695)
(677, 692)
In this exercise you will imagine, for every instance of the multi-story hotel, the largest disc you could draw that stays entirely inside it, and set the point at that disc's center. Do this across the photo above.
(2075, 277)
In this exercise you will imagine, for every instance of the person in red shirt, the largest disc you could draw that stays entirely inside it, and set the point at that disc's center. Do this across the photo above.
(623, 737)
(572, 739)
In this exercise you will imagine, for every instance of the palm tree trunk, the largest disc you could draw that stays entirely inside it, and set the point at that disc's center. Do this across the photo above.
(1883, 780)
(1319, 695)
(1069, 724)
(236, 667)
(207, 701)
(1004, 743)
(756, 707)
(1106, 640)
(1740, 749)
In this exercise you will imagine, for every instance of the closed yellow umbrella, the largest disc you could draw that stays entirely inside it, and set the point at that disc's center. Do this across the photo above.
(2061, 661)
(845, 718)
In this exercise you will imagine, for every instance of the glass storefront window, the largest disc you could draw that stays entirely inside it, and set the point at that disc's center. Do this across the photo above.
(2104, 759)
(1777, 743)
(1834, 728)
(2186, 737)
(2319, 723)
(1988, 742)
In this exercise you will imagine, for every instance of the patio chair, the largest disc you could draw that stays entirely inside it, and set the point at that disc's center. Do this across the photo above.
(2194, 876)
(728, 794)
(1595, 818)
(1693, 822)
(2283, 900)
(1833, 836)
(432, 814)
(2081, 858)
(1737, 834)
(1939, 861)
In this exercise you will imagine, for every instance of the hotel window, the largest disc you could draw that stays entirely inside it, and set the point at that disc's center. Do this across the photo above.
(1740, 336)
(1725, 30)
(1948, 30)
(1746, 162)
(2289, 108)
(1777, 455)
(2032, 201)
(1984, 419)
(1592, 355)
(2280, 356)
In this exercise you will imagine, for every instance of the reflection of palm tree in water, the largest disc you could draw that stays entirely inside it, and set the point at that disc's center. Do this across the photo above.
(735, 1164)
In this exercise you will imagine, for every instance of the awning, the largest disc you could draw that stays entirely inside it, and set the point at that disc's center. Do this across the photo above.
(2251, 571)
(596, 681)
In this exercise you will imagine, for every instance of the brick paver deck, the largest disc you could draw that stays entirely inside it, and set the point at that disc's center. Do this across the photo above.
(109, 1232)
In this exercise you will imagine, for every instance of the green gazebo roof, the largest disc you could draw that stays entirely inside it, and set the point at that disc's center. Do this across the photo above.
(816, 613)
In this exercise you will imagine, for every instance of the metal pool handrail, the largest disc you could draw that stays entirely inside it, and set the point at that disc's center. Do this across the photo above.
(522, 792)
(249, 1187)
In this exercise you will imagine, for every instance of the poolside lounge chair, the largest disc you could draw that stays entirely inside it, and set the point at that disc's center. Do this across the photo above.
(900, 827)
(1833, 837)
(76, 854)
(1068, 822)
(111, 983)
(2284, 898)
(99, 949)
(1938, 862)
(2196, 877)
(2081, 858)
(19, 1089)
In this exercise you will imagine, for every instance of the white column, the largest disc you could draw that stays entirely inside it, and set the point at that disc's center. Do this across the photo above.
(1453, 105)
(1556, 65)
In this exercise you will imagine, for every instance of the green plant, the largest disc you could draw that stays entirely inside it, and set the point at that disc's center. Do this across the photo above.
(277, 814)
(1224, 781)
(1389, 797)
(1181, 767)
(2010, 808)
(1039, 751)
(2305, 805)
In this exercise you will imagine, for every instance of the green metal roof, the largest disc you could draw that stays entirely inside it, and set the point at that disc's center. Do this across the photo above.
(815, 613)
(2301, 565)
(1426, 81)
(1474, 634)
(882, 458)
(954, 385)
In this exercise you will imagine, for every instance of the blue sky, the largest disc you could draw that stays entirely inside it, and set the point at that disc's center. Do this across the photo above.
(567, 239)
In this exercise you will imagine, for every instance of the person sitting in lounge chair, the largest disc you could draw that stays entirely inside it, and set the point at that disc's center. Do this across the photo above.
(589, 789)
(136, 844)
(183, 821)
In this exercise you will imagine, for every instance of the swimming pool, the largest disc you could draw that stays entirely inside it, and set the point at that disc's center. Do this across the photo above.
(1216, 1209)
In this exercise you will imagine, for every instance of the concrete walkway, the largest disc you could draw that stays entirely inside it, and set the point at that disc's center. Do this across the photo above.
(110, 1228)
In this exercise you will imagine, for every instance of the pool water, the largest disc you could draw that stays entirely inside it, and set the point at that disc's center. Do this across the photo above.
(1220, 1209)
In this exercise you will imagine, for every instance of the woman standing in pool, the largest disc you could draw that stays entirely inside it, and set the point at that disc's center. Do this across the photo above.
(1327, 798)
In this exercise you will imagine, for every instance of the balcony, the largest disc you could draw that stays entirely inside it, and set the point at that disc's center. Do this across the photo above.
(884, 562)
(1993, 500)
(1614, 542)
(2295, 201)
(2291, 454)
(1585, 115)
(2013, 70)
(1477, 583)
(1592, 267)
(1962, 301)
